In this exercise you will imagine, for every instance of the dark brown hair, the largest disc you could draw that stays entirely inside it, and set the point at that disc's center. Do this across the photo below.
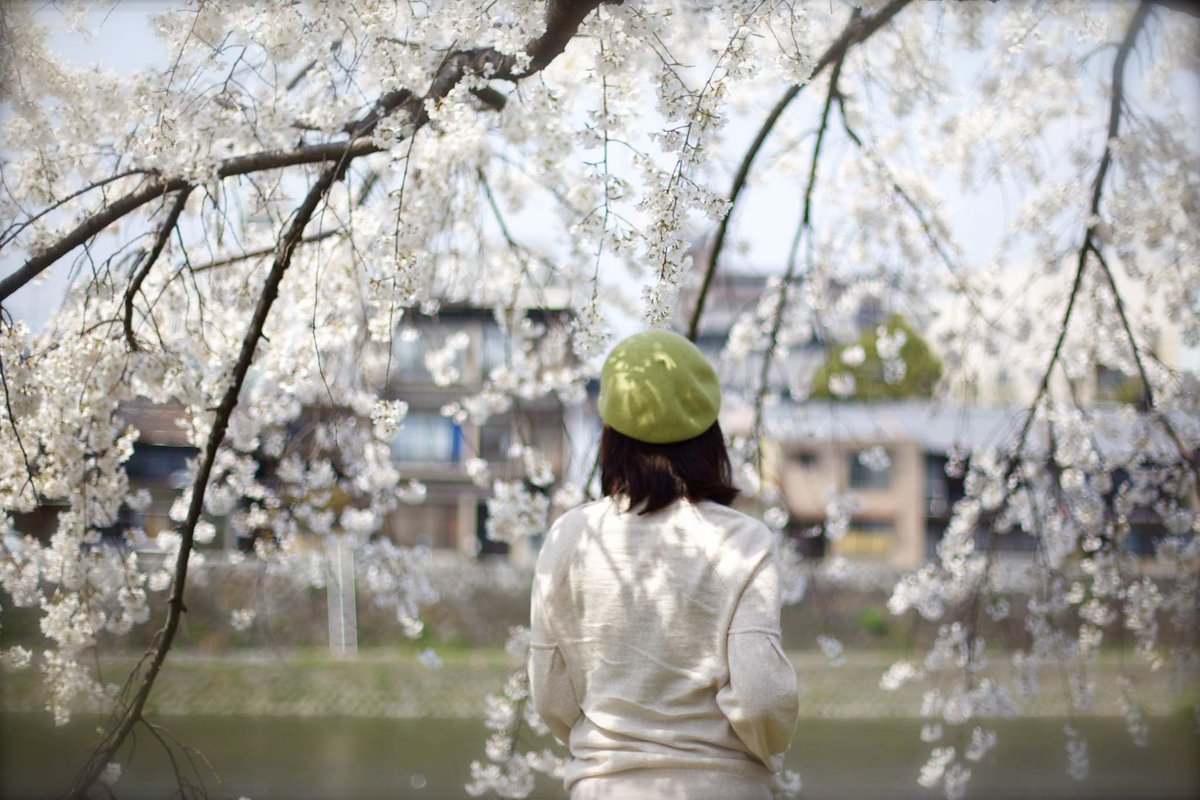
(659, 474)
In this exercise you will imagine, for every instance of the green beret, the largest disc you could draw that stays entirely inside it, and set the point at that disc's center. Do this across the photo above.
(657, 387)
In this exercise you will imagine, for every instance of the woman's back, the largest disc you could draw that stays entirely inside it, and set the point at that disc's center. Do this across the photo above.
(637, 612)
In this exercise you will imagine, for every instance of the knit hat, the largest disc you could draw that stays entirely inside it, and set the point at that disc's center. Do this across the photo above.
(657, 387)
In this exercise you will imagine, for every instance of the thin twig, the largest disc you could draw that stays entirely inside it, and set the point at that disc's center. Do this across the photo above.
(147, 263)
(263, 251)
(803, 229)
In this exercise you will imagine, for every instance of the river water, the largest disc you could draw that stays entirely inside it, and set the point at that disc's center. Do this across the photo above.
(362, 759)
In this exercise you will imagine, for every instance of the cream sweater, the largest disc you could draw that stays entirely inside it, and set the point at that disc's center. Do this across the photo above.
(655, 647)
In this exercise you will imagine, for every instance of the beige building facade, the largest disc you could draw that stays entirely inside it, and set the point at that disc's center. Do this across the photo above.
(884, 464)
(889, 523)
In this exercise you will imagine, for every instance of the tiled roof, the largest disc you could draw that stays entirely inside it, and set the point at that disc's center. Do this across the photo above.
(942, 427)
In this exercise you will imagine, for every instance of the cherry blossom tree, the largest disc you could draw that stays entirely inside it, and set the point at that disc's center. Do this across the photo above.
(248, 227)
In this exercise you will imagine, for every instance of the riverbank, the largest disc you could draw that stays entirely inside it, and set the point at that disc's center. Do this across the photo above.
(395, 683)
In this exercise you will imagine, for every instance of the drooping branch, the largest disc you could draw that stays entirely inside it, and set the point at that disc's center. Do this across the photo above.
(1191, 459)
(804, 229)
(857, 31)
(164, 233)
(116, 735)
(1013, 462)
(1089, 235)
(563, 18)
(918, 213)
(12, 420)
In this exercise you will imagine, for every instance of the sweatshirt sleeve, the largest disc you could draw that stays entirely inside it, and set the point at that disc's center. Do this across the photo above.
(760, 699)
(550, 686)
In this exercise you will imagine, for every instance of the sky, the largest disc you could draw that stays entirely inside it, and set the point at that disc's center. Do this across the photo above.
(123, 42)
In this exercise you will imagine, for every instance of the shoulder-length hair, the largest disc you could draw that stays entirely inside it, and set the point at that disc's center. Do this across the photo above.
(659, 474)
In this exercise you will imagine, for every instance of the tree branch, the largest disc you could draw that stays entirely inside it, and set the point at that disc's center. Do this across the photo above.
(175, 607)
(144, 268)
(804, 227)
(563, 18)
(919, 214)
(86, 230)
(1089, 234)
(857, 31)
(12, 420)
(14, 230)
(1014, 459)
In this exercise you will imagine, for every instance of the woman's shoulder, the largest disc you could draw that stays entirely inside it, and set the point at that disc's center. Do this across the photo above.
(734, 533)
(731, 518)
(566, 529)
(575, 516)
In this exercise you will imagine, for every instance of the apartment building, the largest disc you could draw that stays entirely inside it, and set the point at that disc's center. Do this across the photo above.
(434, 448)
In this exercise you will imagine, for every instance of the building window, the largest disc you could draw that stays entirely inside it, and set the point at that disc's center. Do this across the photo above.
(937, 488)
(432, 525)
(1143, 538)
(494, 347)
(868, 470)
(428, 437)
(804, 458)
(408, 355)
(494, 439)
(487, 547)
(809, 536)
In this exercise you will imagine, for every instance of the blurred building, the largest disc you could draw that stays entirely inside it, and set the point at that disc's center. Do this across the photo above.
(731, 296)
(433, 448)
(889, 460)
(892, 463)
(885, 461)
(430, 447)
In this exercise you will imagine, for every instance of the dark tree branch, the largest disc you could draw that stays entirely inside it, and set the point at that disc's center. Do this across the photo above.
(490, 98)
(1013, 461)
(175, 607)
(14, 230)
(147, 264)
(1089, 234)
(12, 420)
(857, 31)
(804, 228)
(85, 231)
(1191, 459)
